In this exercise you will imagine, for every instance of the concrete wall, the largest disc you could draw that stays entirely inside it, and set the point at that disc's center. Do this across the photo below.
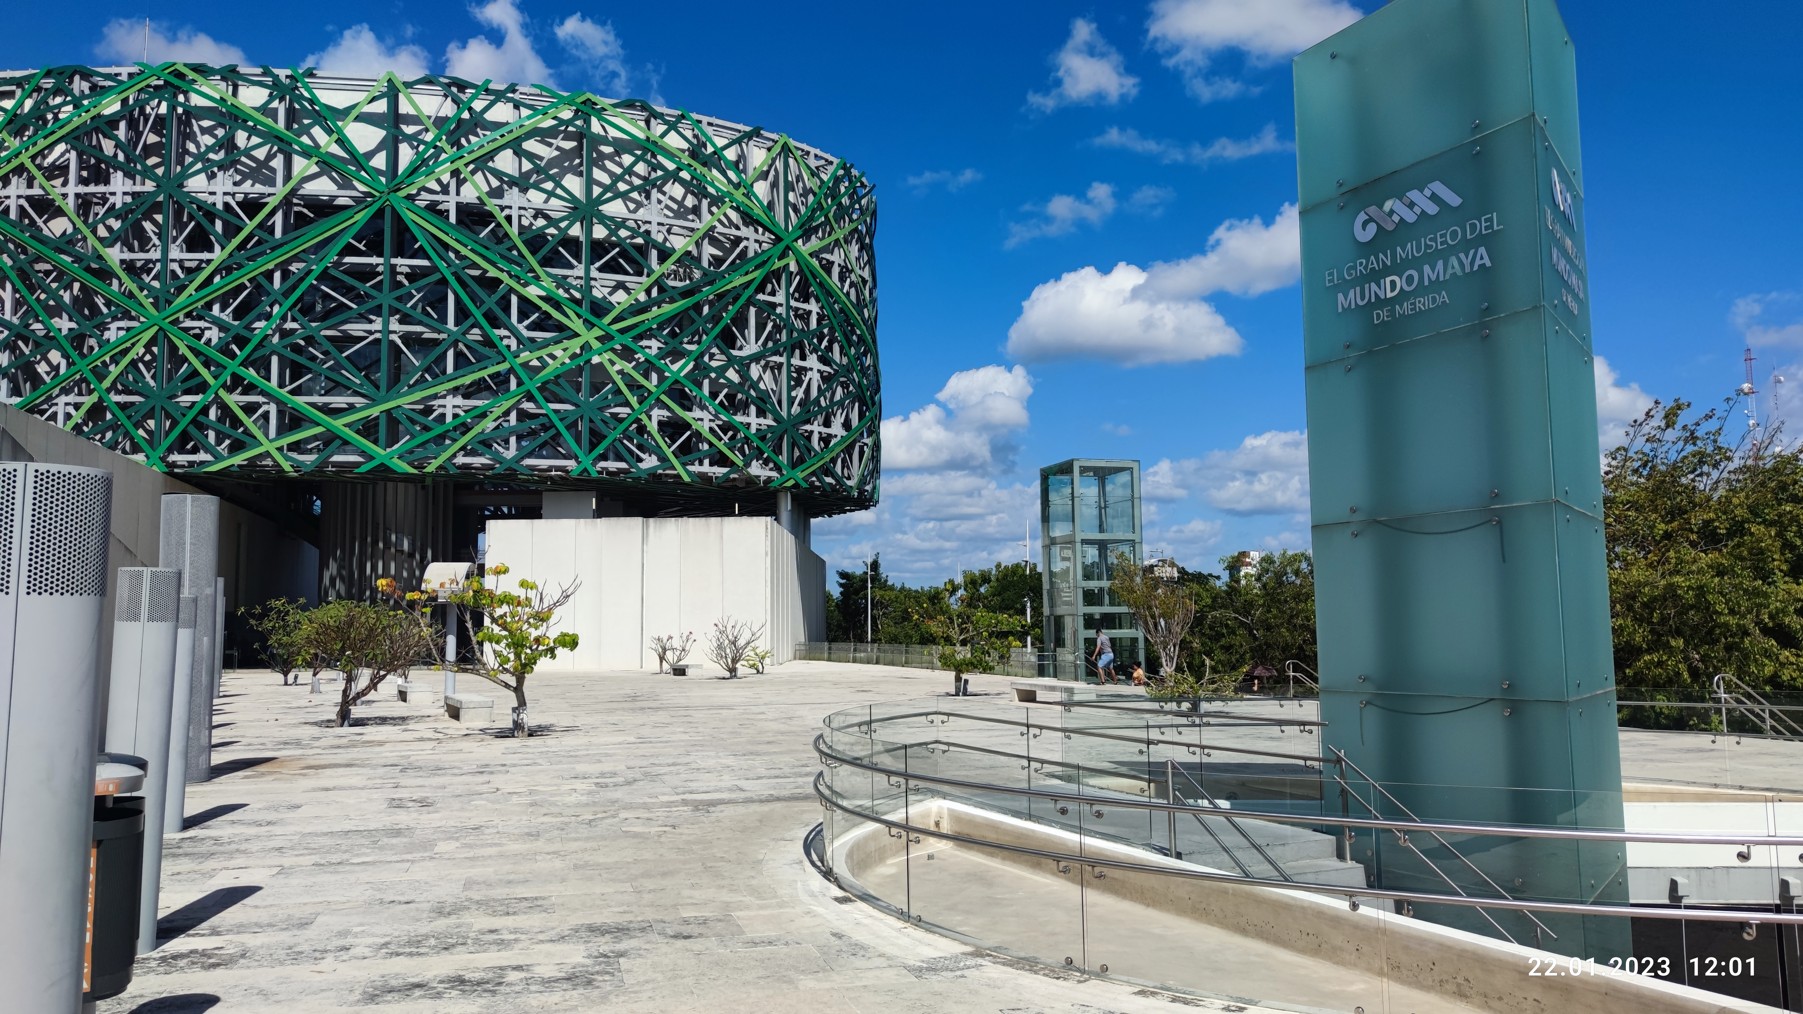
(641, 577)
(258, 560)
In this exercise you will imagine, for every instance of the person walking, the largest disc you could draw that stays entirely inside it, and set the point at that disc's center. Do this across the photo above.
(1104, 657)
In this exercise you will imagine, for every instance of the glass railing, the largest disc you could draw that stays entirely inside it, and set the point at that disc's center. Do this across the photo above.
(1154, 842)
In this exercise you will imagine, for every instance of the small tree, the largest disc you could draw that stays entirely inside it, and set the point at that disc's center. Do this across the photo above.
(730, 643)
(515, 634)
(361, 638)
(1163, 609)
(973, 639)
(281, 623)
(671, 650)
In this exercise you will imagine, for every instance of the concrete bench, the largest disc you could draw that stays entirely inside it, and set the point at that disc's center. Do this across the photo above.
(412, 689)
(469, 708)
(1029, 690)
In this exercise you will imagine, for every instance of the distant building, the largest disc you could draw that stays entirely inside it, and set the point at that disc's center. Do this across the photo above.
(1244, 562)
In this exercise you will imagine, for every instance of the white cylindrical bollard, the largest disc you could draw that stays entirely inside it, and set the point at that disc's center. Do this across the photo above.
(138, 708)
(53, 549)
(175, 794)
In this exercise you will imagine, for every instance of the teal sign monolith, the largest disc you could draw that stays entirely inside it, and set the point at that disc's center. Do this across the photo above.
(1461, 591)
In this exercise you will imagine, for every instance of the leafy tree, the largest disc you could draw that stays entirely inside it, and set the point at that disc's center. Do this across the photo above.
(1263, 617)
(1164, 610)
(1007, 588)
(1705, 556)
(845, 610)
(974, 639)
(511, 629)
(366, 643)
(280, 624)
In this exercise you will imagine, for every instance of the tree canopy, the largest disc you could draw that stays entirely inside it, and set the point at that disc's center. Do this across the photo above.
(1705, 537)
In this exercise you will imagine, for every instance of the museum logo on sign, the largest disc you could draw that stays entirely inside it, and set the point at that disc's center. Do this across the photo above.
(1407, 208)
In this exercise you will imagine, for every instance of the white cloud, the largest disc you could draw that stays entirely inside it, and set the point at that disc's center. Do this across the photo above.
(969, 425)
(931, 526)
(1245, 256)
(358, 53)
(1617, 405)
(1266, 474)
(1221, 149)
(1191, 543)
(1087, 70)
(1150, 200)
(599, 48)
(1162, 481)
(1193, 34)
(952, 180)
(1086, 314)
(1749, 313)
(514, 60)
(126, 40)
(1135, 316)
(1117, 429)
(1063, 214)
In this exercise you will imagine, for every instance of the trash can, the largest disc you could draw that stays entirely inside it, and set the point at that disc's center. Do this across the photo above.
(115, 872)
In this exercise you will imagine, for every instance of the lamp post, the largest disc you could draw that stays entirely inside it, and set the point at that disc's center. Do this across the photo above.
(1028, 600)
(867, 637)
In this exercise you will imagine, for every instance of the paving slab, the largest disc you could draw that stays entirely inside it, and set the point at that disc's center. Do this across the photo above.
(643, 855)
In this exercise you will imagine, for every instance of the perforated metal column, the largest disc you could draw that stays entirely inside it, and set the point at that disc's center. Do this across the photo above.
(175, 797)
(190, 544)
(138, 708)
(53, 545)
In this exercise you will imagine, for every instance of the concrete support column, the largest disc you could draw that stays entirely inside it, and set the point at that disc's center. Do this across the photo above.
(190, 544)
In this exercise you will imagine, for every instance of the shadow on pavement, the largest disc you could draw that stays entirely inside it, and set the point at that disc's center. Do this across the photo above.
(238, 764)
(211, 813)
(184, 1003)
(198, 911)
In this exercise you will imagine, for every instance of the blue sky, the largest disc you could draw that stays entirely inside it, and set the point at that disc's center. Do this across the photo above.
(1083, 248)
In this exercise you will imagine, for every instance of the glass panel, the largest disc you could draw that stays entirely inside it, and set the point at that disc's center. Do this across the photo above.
(1453, 604)
(1118, 515)
(1403, 84)
(1103, 596)
(1089, 502)
(1057, 514)
(1364, 287)
(1474, 406)
(1062, 579)
(1018, 904)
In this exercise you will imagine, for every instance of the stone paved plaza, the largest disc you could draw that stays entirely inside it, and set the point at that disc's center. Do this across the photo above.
(643, 856)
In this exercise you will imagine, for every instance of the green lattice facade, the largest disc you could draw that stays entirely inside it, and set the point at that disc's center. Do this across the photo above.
(265, 273)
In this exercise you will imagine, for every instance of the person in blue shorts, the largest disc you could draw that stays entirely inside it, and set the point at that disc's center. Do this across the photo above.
(1104, 657)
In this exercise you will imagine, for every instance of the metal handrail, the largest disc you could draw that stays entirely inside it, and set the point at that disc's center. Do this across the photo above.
(1340, 756)
(1754, 918)
(1310, 759)
(1171, 771)
(1315, 819)
(1745, 699)
(1297, 671)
